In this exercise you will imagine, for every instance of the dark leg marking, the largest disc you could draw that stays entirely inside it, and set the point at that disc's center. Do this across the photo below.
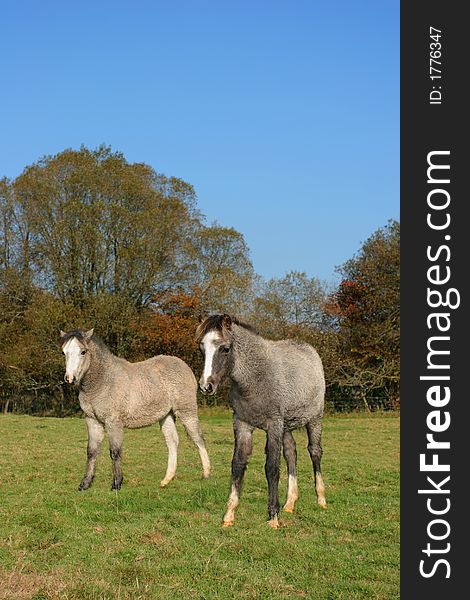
(290, 455)
(95, 437)
(115, 434)
(314, 431)
(273, 459)
(243, 434)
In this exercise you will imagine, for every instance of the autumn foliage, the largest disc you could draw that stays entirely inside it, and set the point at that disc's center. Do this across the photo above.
(168, 326)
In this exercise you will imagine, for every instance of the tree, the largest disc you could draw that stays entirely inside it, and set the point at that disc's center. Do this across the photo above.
(293, 302)
(168, 327)
(6, 224)
(92, 223)
(101, 225)
(367, 307)
(221, 272)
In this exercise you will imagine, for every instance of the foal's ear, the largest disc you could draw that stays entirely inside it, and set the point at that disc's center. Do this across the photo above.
(88, 334)
(62, 333)
(227, 321)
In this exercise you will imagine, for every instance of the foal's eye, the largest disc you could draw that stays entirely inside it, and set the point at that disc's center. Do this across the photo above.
(83, 352)
(225, 349)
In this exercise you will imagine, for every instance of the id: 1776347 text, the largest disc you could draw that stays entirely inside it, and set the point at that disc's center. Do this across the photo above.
(435, 65)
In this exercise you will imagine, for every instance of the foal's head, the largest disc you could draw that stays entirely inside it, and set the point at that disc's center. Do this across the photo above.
(75, 346)
(215, 339)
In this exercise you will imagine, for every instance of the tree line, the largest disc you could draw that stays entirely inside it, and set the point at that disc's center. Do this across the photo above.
(88, 239)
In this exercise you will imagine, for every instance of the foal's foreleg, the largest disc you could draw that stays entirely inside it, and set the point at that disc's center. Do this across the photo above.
(95, 437)
(115, 434)
(273, 459)
(243, 434)
(314, 430)
(290, 454)
(171, 438)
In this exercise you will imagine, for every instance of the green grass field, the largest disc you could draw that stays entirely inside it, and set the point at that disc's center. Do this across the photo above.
(147, 542)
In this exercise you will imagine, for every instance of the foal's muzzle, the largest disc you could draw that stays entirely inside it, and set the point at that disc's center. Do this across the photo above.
(70, 378)
(207, 388)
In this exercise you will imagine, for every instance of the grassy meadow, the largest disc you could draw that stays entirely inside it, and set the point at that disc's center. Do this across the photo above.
(146, 542)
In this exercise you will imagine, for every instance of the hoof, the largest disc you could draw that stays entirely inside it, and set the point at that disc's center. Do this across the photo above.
(274, 523)
(83, 486)
(227, 523)
(288, 508)
(322, 503)
(164, 483)
(116, 486)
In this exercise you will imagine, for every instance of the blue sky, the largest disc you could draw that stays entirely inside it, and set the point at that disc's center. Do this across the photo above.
(283, 115)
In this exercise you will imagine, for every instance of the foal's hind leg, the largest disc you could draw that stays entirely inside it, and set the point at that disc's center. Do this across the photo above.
(193, 429)
(314, 429)
(171, 437)
(290, 454)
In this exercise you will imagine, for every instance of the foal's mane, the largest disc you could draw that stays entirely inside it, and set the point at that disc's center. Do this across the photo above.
(217, 322)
